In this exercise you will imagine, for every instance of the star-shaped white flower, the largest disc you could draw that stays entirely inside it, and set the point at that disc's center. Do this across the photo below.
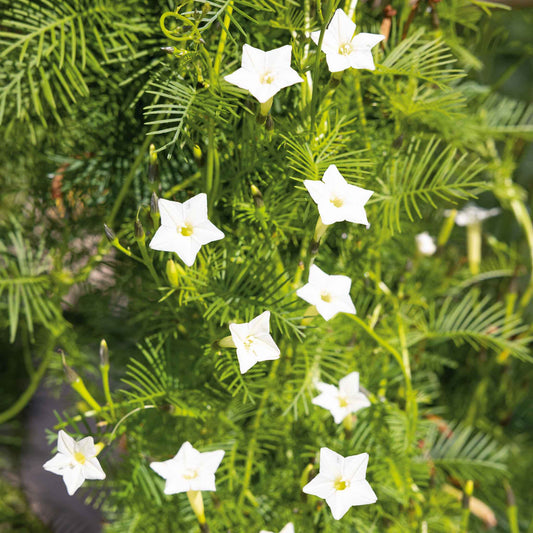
(75, 460)
(343, 48)
(184, 228)
(341, 482)
(472, 214)
(337, 200)
(189, 470)
(264, 73)
(289, 528)
(254, 342)
(344, 400)
(329, 294)
(425, 243)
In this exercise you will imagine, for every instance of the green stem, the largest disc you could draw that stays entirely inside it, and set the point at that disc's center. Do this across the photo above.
(223, 37)
(104, 370)
(523, 218)
(26, 396)
(361, 109)
(129, 178)
(255, 428)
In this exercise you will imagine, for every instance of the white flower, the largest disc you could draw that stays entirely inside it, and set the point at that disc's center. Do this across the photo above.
(472, 214)
(342, 401)
(189, 470)
(184, 228)
(343, 49)
(329, 294)
(425, 243)
(264, 73)
(289, 528)
(341, 482)
(75, 460)
(337, 200)
(253, 342)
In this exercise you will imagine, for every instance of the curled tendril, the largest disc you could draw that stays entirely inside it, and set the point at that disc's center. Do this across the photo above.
(193, 34)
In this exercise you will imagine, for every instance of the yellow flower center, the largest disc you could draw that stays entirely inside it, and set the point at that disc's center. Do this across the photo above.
(340, 484)
(190, 474)
(343, 402)
(336, 201)
(267, 78)
(248, 342)
(186, 230)
(79, 457)
(345, 49)
(325, 297)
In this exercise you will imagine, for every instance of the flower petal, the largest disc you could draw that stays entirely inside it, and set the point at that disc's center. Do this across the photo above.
(195, 209)
(279, 58)
(58, 463)
(362, 59)
(339, 502)
(244, 78)
(366, 40)
(320, 486)
(337, 62)
(73, 479)
(86, 447)
(92, 469)
(246, 360)
(206, 232)
(65, 443)
(354, 467)
(260, 324)
(171, 212)
(330, 463)
(316, 189)
(334, 179)
(176, 485)
(187, 249)
(253, 59)
(204, 481)
(349, 384)
(165, 239)
(362, 493)
(342, 27)
(211, 460)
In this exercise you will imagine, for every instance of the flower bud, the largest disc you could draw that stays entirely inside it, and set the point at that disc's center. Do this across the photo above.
(257, 196)
(109, 233)
(139, 230)
(172, 273)
(154, 207)
(153, 165)
(269, 124)
(104, 353)
(70, 374)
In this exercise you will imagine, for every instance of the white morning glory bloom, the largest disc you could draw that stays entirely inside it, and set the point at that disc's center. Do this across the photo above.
(344, 400)
(189, 470)
(264, 73)
(425, 243)
(289, 528)
(253, 342)
(337, 200)
(341, 482)
(75, 460)
(472, 214)
(329, 294)
(343, 48)
(184, 228)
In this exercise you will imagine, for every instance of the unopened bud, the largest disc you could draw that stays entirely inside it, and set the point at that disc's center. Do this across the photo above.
(153, 154)
(71, 375)
(154, 206)
(172, 273)
(104, 353)
(257, 196)
(139, 230)
(168, 49)
(197, 153)
(153, 165)
(109, 233)
(269, 124)
(206, 8)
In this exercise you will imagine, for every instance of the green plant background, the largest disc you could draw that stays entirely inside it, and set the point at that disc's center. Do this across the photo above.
(85, 89)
